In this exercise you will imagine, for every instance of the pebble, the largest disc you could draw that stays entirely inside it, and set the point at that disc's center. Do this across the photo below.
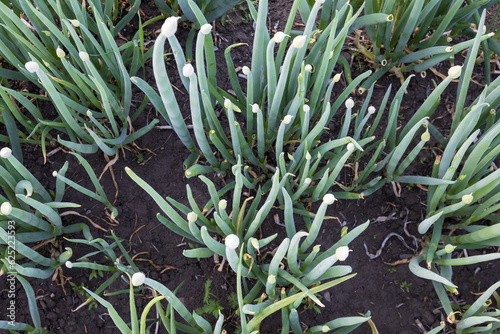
(427, 318)
(50, 304)
(51, 316)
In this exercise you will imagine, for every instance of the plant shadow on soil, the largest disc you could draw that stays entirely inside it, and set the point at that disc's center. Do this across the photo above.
(398, 300)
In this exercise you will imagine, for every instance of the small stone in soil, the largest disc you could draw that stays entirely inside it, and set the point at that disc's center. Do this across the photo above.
(428, 318)
(51, 316)
(51, 304)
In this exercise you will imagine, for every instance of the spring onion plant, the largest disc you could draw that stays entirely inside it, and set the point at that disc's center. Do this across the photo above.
(395, 163)
(462, 213)
(84, 262)
(284, 287)
(30, 218)
(270, 121)
(286, 127)
(192, 323)
(79, 65)
(462, 210)
(236, 225)
(387, 153)
(417, 34)
(124, 267)
(115, 266)
(30, 215)
(396, 144)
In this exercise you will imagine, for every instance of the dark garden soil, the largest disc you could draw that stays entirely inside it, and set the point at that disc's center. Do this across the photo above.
(398, 301)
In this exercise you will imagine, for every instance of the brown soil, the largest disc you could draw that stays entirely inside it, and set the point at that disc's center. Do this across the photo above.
(376, 288)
